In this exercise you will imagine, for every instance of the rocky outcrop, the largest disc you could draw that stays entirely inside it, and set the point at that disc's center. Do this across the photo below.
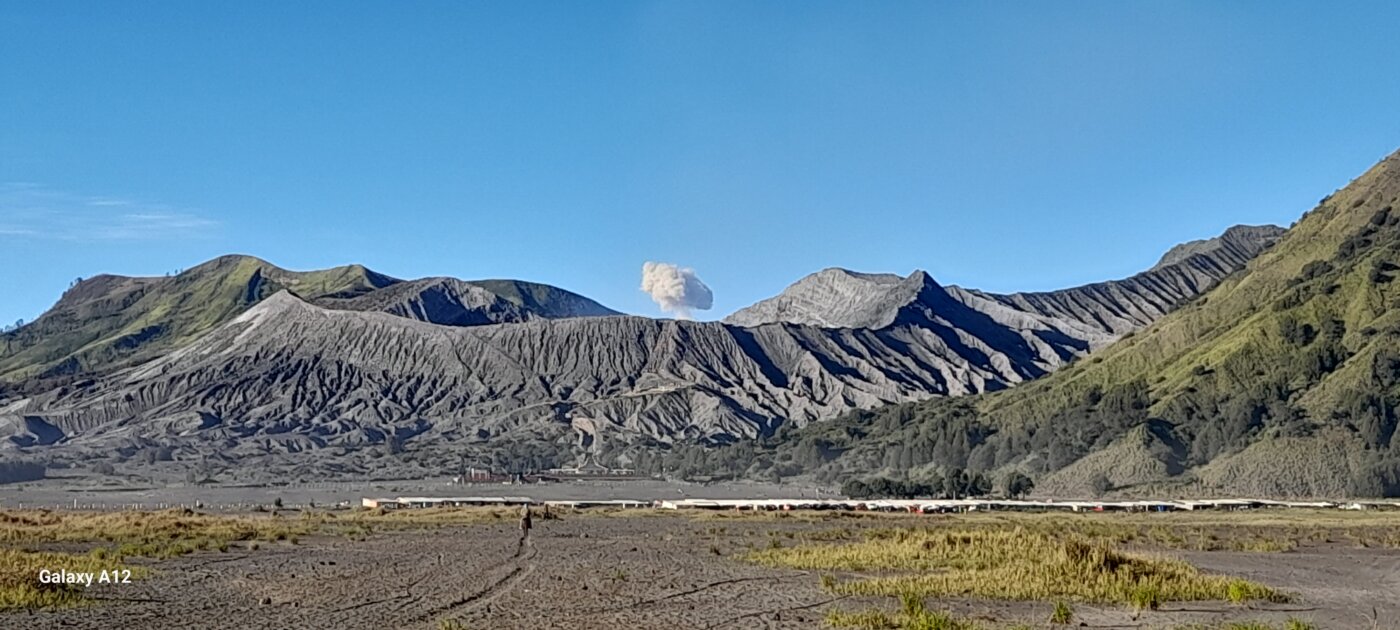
(835, 298)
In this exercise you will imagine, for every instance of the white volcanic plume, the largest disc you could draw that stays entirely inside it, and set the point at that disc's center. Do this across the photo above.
(676, 289)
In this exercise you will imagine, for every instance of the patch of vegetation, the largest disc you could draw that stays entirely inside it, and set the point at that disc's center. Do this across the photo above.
(20, 588)
(107, 322)
(161, 534)
(1015, 564)
(955, 483)
(17, 471)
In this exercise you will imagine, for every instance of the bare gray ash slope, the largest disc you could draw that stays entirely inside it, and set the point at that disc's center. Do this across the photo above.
(297, 376)
(1095, 313)
(1121, 306)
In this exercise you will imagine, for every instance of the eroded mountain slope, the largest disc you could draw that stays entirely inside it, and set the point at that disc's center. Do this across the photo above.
(1095, 313)
(298, 375)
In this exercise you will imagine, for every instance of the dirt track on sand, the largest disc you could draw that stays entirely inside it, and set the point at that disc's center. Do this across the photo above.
(670, 572)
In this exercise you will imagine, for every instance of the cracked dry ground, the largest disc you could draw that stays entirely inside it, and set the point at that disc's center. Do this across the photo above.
(580, 572)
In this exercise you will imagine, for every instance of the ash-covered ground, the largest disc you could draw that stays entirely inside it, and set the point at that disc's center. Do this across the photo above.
(643, 570)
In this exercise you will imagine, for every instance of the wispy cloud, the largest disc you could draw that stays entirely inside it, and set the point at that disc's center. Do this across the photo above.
(31, 211)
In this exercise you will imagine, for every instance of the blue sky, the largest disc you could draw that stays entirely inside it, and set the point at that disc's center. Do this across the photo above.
(1000, 145)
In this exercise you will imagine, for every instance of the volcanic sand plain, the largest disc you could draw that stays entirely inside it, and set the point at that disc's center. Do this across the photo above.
(448, 569)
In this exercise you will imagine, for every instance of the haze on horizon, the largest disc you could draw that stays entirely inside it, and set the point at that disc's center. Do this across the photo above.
(1011, 147)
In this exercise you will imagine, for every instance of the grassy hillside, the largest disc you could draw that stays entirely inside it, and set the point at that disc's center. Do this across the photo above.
(1292, 364)
(107, 322)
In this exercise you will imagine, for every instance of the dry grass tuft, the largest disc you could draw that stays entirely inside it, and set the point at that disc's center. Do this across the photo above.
(157, 534)
(1014, 564)
(20, 588)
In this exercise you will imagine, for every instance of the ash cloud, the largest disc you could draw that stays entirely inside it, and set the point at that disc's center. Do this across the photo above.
(677, 290)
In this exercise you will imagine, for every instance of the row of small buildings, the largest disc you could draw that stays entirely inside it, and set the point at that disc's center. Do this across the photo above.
(919, 506)
(431, 502)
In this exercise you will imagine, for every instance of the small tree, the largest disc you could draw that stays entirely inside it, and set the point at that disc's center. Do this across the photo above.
(978, 485)
(934, 488)
(1018, 485)
(14, 471)
(955, 482)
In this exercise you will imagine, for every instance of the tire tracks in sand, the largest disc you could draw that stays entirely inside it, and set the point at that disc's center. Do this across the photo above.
(521, 566)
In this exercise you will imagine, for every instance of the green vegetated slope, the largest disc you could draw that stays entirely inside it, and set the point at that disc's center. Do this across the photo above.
(108, 321)
(1282, 380)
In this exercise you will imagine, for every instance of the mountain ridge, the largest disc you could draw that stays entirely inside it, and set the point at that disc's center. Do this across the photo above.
(1096, 313)
(110, 321)
(346, 359)
(255, 363)
(734, 382)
